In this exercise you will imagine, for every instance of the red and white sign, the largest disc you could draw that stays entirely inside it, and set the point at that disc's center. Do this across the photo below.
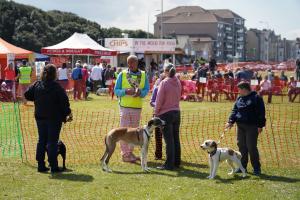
(119, 44)
(78, 44)
(58, 61)
(101, 60)
(137, 45)
(160, 45)
(78, 52)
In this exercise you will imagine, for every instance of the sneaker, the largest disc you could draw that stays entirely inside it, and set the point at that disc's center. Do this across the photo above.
(56, 170)
(256, 172)
(163, 167)
(43, 169)
(177, 166)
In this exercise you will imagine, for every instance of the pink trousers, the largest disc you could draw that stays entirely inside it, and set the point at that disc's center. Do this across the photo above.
(129, 117)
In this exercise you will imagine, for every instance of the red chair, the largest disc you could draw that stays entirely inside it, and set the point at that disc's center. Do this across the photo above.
(277, 91)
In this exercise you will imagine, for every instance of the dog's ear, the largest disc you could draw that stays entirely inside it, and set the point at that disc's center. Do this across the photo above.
(214, 144)
(150, 123)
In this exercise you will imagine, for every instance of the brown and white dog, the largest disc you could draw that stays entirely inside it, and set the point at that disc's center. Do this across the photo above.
(217, 155)
(133, 136)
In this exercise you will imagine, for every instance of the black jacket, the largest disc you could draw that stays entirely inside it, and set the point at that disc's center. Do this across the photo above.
(202, 72)
(249, 109)
(50, 100)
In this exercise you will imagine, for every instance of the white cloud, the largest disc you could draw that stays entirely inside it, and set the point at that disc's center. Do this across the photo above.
(292, 34)
(133, 14)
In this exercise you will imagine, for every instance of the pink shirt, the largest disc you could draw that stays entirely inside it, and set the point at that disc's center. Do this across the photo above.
(266, 85)
(292, 84)
(168, 96)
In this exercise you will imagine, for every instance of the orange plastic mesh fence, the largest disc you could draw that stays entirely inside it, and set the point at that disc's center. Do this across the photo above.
(279, 143)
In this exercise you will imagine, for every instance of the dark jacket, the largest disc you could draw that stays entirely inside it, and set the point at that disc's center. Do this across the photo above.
(109, 74)
(202, 72)
(50, 100)
(212, 64)
(249, 109)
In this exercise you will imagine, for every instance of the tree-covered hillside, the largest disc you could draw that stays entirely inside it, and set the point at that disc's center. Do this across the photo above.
(33, 28)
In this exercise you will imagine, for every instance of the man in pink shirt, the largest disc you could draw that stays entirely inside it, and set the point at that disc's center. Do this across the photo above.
(293, 90)
(266, 89)
(167, 108)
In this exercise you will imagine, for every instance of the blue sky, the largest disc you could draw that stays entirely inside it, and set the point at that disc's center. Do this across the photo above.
(283, 16)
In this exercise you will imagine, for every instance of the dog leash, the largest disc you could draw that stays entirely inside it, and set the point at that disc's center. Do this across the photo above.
(222, 135)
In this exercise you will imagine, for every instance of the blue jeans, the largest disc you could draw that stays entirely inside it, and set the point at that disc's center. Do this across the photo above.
(49, 131)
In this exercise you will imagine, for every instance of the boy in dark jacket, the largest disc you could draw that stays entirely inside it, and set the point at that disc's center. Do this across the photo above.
(249, 115)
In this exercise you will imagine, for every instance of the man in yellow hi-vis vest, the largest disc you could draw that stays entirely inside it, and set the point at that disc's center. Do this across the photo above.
(131, 87)
(24, 77)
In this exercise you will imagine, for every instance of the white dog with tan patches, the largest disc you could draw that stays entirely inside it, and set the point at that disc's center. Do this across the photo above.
(217, 155)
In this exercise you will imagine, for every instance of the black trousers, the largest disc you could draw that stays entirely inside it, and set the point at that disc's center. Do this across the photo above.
(158, 143)
(171, 137)
(103, 83)
(48, 136)
(247, 136)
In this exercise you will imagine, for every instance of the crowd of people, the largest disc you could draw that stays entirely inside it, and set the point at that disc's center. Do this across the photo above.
(215, 83)
(208, 78)
(87, 79)
(81, 78)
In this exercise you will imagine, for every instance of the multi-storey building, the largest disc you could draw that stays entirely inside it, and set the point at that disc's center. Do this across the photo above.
(204, 33)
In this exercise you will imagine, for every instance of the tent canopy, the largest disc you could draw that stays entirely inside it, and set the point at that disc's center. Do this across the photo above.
(41, 57)
(6, 48)
(78, 44)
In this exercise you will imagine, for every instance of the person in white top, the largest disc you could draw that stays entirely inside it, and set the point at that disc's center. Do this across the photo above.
(293, 89)
(266, 89)
(62, 76)
(96, 77)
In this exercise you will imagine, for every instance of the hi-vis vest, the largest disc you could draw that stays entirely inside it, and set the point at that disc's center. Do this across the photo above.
(129, 101)
(25, 73)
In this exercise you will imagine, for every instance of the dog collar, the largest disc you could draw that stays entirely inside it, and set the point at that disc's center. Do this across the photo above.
(211, 154)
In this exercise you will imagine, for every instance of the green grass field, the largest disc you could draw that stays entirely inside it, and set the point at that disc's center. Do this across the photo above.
(85, 179)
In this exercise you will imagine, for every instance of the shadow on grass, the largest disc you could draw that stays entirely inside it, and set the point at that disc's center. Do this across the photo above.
(183, 163)
(197, 165)
(231, 178)
(72, 177)
(180, 172)
(262, 177)
(279, 178)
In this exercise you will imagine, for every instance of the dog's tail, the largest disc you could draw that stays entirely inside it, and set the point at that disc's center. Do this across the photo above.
(106, 150)
(238, 155)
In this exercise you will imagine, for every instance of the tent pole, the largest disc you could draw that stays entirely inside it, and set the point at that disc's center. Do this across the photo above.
(88, 59)
(72, 61)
